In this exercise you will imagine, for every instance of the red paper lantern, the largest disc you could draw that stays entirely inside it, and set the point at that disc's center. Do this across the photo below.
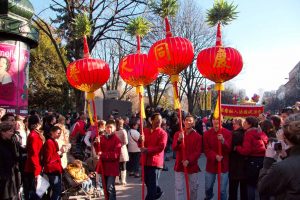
(87, 74)
(136, 70)
(219, 64)
(172, 54)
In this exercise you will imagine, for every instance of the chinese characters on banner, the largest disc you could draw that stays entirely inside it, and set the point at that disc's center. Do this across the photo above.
(241, 110)
(14, 59)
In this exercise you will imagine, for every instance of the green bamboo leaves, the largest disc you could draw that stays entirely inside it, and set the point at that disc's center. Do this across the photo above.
(222, 12)
(82, 25)
(138, 27)
(165, 7)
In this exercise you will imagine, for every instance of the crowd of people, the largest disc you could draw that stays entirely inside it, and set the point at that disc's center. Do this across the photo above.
(260, 155)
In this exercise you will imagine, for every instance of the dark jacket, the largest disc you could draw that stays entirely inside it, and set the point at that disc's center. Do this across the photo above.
(281, 179)
(237, 161)
(10, 178)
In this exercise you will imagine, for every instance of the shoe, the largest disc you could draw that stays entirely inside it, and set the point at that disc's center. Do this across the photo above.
(159, 195)
(137, 176)
(131, 174)
(165, 169)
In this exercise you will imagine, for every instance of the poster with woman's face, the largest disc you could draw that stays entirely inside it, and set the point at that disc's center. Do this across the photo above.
(14, 59)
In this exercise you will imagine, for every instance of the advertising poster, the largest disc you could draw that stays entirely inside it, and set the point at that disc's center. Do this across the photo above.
(14, 61)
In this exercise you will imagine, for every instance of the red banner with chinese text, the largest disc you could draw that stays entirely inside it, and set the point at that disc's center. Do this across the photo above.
(241, 110)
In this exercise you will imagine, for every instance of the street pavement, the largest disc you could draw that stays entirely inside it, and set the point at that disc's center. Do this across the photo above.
(132, 191)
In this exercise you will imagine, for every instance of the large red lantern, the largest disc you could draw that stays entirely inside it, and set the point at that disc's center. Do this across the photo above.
(87, 74)
(172, 54)
(136, 70)
(219, 64)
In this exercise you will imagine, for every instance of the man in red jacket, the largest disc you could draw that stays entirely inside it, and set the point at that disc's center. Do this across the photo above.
(109, 154)
(211, 138)
(155, 141)
(193, 146)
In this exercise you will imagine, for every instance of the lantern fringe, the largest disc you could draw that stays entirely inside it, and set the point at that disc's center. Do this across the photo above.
(140, 92)
(90, 113)
(174, 80)
(90, 97)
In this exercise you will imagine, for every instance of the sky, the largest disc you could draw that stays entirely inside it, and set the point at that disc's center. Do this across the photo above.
(266, 33)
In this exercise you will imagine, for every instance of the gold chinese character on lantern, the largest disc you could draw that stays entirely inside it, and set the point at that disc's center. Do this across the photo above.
(124, 66)
(73, 72)
(220, 60)
(162, 51)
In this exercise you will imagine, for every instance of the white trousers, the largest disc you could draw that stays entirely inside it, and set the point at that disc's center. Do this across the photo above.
(180, 186)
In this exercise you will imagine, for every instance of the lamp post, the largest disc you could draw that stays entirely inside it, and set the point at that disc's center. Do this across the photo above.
(17, 37)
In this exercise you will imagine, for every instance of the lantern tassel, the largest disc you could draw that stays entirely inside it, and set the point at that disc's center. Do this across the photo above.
(86, 52)
(174, 80)
(140, 91)
(89, 97)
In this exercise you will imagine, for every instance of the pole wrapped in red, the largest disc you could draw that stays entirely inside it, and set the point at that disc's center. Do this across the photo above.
(141, 100)
(186, 177)
(99, 147)
(219, 147)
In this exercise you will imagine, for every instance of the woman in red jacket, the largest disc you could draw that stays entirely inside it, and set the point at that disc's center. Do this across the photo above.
(52, 163)
(33, 163)
(254, 147)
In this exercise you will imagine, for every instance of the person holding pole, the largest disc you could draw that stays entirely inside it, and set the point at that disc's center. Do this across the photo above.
(155, 141)
(109, 154)
(211, 139)
(193, 147)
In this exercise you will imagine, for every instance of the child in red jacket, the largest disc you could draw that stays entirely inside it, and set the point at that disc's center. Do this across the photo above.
(108, 147)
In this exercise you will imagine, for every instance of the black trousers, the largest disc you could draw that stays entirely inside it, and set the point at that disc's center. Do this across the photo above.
(233, 189)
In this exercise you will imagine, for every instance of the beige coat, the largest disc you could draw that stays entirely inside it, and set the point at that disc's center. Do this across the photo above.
(122, 135)
(63, 140)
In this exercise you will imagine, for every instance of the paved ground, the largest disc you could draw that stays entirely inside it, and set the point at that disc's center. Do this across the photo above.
(132, 191)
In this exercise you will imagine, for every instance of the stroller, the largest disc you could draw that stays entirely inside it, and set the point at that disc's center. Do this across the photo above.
(72, 187)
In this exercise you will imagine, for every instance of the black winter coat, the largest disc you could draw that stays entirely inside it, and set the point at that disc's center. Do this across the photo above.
(10, 178)
(237, 162)
(281, 179)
